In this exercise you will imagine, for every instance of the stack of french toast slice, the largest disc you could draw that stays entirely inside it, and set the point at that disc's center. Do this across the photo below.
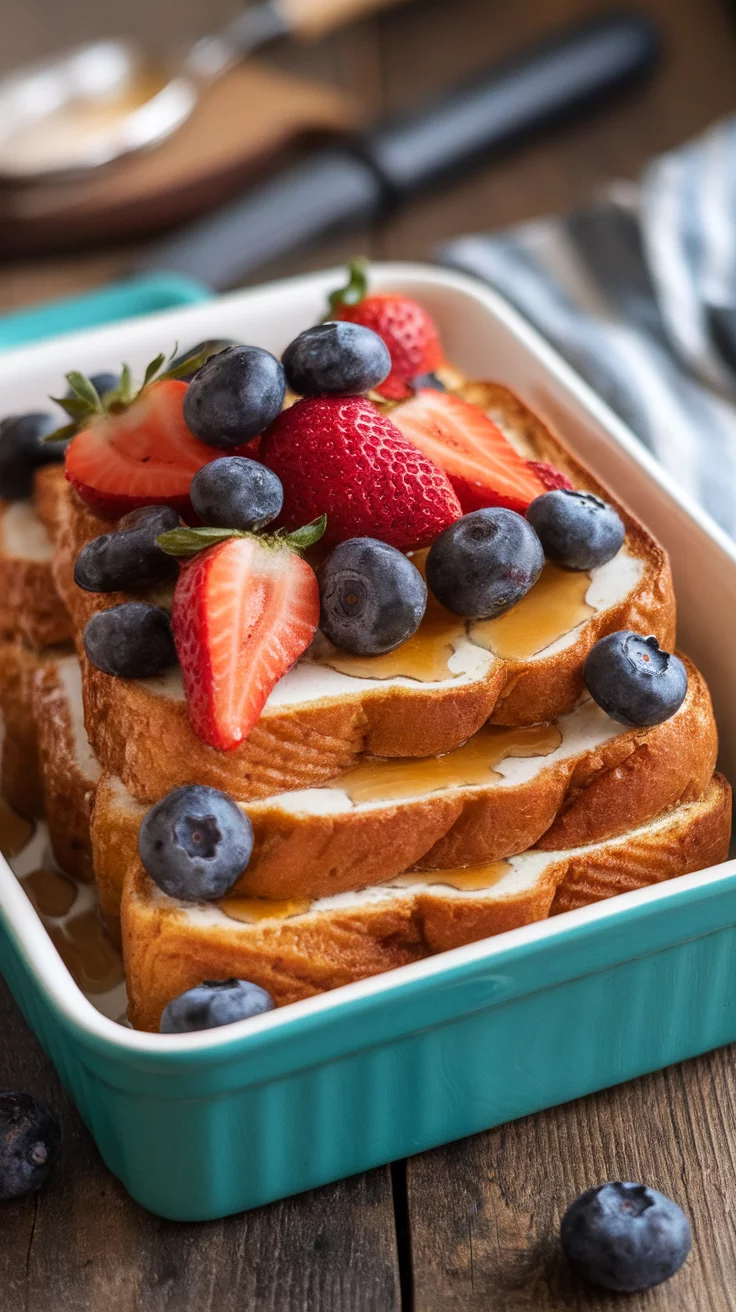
(401, 803)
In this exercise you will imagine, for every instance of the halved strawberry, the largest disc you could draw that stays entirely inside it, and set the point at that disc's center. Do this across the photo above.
(553, 479)
(144, 456)
(243, 613)
(480, 462)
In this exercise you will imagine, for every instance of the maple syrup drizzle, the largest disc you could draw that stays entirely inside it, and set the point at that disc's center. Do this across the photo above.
(251, 910)
(554, 606)
(389, 779)
(15, 831)
(466, 879)
(87, 952)
(51, 893)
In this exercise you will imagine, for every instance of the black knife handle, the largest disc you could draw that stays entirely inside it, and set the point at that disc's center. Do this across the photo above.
(574, 70)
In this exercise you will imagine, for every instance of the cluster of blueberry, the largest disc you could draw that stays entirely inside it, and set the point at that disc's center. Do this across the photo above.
(621, 1236)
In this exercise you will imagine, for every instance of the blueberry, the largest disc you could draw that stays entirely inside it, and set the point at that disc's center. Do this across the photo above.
(132, 641)
(102, 383)
(633, 680)
(234, 396)
(576, 529)
(29, 1144)
(484, 563)
(427, 382)
(625, 1237)
(235, 492)
(213, 346)
(128, 558)
(339, 358)
(22, 452)
(213, 1003)
(195, 843)
(371, 597)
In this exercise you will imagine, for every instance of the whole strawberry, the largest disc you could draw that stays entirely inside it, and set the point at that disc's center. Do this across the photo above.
(405, 326)
(341, 456)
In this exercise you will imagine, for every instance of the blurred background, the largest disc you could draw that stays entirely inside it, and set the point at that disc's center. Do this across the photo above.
(380, 64)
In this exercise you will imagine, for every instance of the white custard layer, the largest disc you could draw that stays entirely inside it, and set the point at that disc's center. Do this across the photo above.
(22, 535)
(312, 682)
(584, 729)
(70, 677)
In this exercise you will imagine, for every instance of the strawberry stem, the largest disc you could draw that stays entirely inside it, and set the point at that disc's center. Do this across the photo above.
(355, 288)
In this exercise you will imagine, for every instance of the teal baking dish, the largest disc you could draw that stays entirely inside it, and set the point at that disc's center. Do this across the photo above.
(198, 1126)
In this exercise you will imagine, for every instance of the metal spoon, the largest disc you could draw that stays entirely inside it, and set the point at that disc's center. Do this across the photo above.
(80, 110)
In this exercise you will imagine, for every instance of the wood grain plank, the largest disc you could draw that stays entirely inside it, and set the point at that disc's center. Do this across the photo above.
(82, 1245)
(484, 1214)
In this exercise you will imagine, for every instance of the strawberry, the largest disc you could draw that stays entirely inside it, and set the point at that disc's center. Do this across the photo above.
(132, 449)
(482, 465)
(244, 611)
(405, 326)
(343, 456)
(553, 479)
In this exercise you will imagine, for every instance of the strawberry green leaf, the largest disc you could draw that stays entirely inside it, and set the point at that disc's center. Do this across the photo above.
(61, 434)
(74, 406)
(152, 369)
(85, 391)
(188, 365)
(306, 536)
(188, 542)
(355, 288)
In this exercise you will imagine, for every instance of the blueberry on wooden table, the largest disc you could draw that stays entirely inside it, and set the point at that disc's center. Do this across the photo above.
(625, 1237)
(29, 1144)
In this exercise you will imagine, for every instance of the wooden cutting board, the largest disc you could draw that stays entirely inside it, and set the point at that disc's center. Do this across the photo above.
(244, 123)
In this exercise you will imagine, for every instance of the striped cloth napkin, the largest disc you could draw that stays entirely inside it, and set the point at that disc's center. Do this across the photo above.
(638, 292)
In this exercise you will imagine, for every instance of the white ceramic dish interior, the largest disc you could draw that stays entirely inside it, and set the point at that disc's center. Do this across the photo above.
(487, 339)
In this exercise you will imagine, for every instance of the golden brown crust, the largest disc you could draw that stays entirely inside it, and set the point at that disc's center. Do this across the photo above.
(20, 774)
(30, 607)
(596, 794)
(67, 788)
(640, 774)
(630, 867)
(166, 952)
(309, 743)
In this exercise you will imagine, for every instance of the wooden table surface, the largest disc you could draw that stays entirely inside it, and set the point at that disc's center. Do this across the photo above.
(472, 1226)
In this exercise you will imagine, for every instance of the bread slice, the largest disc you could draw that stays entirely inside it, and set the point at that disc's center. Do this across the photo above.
(30, 607)
(20, 775)
(297, 949)
(580, 780)
(69, 770)
(425, 699)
